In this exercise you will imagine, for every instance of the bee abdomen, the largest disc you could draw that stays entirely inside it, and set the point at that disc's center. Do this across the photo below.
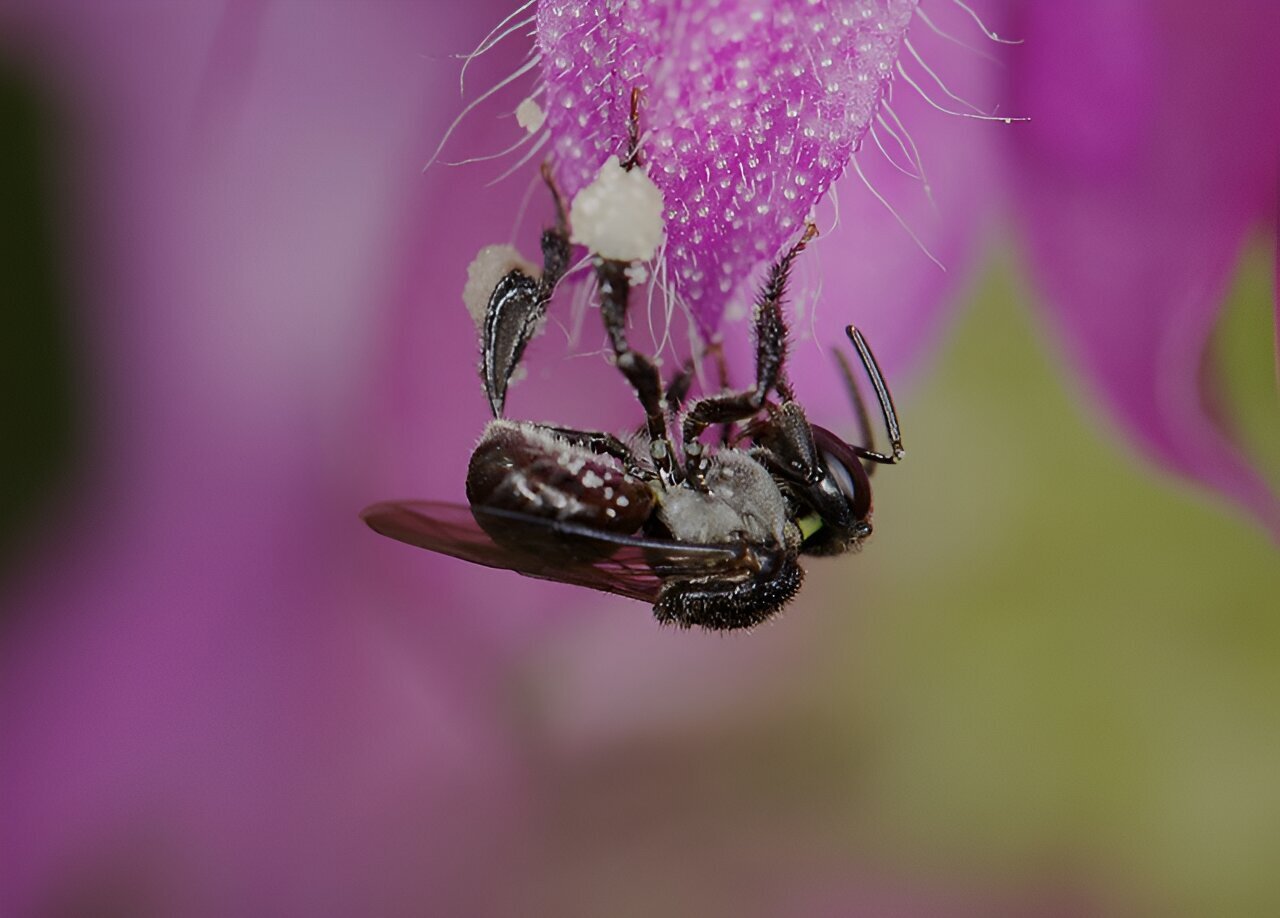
(526, 469)
(721, 605)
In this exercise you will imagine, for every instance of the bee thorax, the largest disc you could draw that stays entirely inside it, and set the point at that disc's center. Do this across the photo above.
(740, 500)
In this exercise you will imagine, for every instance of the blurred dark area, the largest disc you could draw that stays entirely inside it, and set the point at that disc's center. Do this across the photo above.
(38, 411)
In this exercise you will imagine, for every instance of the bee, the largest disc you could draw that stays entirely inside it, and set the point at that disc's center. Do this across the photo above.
(709, 533)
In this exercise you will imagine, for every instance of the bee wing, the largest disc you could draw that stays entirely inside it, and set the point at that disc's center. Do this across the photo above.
(548, 549)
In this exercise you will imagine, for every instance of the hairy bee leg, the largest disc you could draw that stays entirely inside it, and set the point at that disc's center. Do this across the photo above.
(562, 212)
(872, 368)
(771, 325)
(639, 370)
(604, 444)
(716, 349)
(632, 159)
(771, 354)
(518, 305)
(682, 381)
(678, 386)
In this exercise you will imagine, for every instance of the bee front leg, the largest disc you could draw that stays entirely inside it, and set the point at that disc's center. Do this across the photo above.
(771, 356)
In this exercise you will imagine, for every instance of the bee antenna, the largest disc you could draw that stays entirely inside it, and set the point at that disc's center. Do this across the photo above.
(872, 368)
(855, 398)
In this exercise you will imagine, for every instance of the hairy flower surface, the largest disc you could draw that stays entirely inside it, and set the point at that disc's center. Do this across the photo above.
(750, 111)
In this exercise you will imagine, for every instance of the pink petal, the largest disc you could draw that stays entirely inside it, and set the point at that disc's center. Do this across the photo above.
(1150, 161)
(751, 111)
(195, 692)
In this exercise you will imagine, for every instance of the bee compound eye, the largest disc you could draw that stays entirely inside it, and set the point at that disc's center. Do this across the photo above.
(845, 472)
(839, 473)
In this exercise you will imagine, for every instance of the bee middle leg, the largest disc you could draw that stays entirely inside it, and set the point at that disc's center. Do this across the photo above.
(682, 380)
(641, 372)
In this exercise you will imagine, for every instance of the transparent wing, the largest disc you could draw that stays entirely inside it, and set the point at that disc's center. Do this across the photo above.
(553, 550)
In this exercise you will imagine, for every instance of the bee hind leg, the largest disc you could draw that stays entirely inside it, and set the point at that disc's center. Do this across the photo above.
(518, 305)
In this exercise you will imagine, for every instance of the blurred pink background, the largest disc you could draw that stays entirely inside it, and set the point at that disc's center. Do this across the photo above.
(220, 694)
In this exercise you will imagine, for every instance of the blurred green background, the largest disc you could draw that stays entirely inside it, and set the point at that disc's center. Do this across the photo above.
(1054, 665)
(37, 426)
(1076, 657)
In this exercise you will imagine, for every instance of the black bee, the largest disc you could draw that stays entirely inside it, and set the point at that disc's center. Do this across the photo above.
(710, 536)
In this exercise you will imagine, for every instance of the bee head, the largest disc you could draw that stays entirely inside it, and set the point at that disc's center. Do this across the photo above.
(839, 500)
